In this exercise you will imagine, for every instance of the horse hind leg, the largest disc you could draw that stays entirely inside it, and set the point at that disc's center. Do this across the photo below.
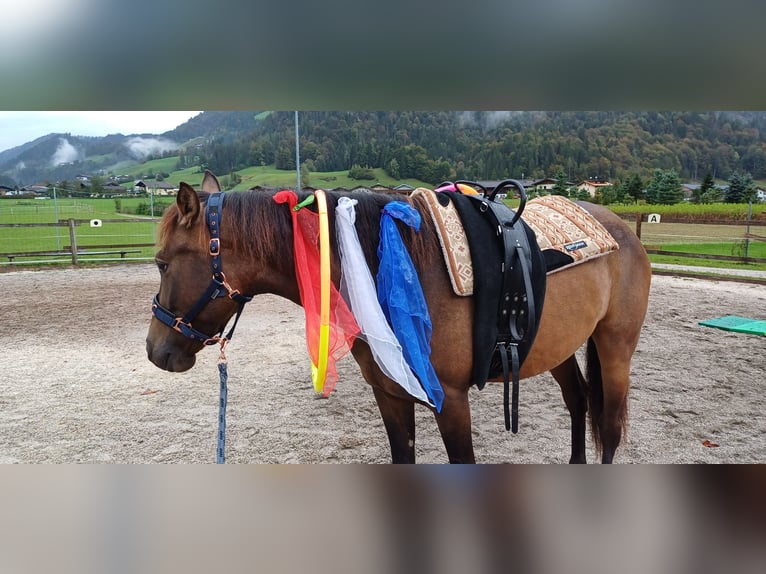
(574, 388)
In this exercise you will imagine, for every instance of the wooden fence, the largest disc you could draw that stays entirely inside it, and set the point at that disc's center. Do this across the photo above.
(76, 251)
(747, 236)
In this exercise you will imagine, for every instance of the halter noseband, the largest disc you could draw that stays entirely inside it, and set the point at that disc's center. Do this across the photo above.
(218, 287)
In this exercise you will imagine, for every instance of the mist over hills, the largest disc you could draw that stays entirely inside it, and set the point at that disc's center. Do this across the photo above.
(430, 146)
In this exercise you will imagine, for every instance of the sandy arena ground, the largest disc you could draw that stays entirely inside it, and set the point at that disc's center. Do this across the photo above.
(76, 386)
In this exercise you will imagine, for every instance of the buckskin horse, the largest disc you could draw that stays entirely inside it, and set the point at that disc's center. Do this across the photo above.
(600, 303)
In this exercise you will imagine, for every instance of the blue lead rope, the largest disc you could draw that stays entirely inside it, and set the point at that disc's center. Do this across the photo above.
(220, 451)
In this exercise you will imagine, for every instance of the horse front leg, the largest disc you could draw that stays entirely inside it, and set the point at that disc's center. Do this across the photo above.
(399, 419)
(454, 423)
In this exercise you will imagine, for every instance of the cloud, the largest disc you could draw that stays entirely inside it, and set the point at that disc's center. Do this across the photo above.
(65, 153)
(141, 147)
(485, 119)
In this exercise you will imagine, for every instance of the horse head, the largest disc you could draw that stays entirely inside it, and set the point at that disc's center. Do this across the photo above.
(195, 299)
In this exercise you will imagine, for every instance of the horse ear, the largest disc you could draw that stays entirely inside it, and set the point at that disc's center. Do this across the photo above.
(210, 183)
(188, 204)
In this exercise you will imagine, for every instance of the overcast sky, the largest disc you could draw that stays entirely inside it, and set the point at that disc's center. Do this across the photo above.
(17, 128)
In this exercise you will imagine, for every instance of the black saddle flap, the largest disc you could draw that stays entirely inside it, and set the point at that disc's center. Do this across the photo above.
(488, 257)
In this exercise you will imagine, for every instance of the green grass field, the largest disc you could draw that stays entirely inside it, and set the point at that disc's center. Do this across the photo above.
(162, 165)
(271, 177)
(268, 176)
(756, 249)
(690, 238)
(715, 263)
(731, 211)
(55, 238)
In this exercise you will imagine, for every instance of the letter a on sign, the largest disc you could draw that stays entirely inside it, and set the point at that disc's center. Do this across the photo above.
(653, 218)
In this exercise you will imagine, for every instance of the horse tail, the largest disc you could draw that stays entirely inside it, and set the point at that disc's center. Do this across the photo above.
(595, 391)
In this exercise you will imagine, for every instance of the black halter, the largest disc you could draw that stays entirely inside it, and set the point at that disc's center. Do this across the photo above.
(218, 287)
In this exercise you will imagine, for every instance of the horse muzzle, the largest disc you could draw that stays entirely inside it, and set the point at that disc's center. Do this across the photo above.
(166, 354)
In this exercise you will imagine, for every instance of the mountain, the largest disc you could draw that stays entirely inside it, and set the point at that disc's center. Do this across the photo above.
(429, 146)
(63, 156)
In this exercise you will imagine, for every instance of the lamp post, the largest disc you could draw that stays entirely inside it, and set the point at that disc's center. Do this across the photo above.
(297, 156)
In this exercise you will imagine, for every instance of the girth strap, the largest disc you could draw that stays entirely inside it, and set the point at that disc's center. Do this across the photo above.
(512, 414)
(509, 285)
(516, 317)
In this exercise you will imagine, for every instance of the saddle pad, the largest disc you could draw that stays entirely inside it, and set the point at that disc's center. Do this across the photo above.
(454, 244)
(563, 225)
(558, 223)
(737, 324)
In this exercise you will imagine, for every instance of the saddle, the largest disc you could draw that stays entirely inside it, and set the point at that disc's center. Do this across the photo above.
(508, 285)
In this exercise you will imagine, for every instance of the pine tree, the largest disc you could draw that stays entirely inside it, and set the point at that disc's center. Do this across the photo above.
(560, 188)
(671, 191)
(665, 188)
(741, 188)
(634, 187)
(707, 185)
(652, 189)
(393, 168)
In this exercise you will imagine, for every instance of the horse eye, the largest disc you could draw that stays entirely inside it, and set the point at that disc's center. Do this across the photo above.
(161, 265)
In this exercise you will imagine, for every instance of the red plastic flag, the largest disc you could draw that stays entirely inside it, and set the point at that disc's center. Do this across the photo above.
(343, 326)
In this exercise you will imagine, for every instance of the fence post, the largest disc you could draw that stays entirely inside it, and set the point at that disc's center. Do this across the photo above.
(639, 218)
(747, 232)
(73, 241)
(56, 215)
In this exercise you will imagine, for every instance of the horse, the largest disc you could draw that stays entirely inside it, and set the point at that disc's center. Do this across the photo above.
(600, 303)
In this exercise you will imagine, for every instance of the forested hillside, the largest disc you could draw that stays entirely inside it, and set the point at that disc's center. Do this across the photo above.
(432, 146)
(426, 146)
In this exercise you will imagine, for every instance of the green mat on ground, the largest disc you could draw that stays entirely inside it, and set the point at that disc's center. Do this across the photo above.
(737, 324)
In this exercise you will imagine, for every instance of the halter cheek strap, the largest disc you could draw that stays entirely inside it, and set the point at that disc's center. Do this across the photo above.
(218, 287)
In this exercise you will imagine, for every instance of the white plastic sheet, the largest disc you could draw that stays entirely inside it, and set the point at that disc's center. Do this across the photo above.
(358, 287)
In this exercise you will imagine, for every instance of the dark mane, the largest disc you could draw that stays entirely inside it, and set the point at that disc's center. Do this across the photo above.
(264, 228)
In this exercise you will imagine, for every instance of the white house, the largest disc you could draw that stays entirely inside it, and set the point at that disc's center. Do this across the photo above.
(155, 187)
(593, 185)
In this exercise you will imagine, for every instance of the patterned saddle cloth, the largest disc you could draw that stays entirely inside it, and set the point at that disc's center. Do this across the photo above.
(566, 233)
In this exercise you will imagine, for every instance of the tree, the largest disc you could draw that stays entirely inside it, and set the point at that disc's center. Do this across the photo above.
(634, 187)
(704, 190)
(97, 184)
(605, 195)
(359, 172)
(438, 171)
(393, 168)
(741, 188)
(560, 188)
(713, 195)
(664, 188)
(284, 158)
(619, 192)
(413, 161)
